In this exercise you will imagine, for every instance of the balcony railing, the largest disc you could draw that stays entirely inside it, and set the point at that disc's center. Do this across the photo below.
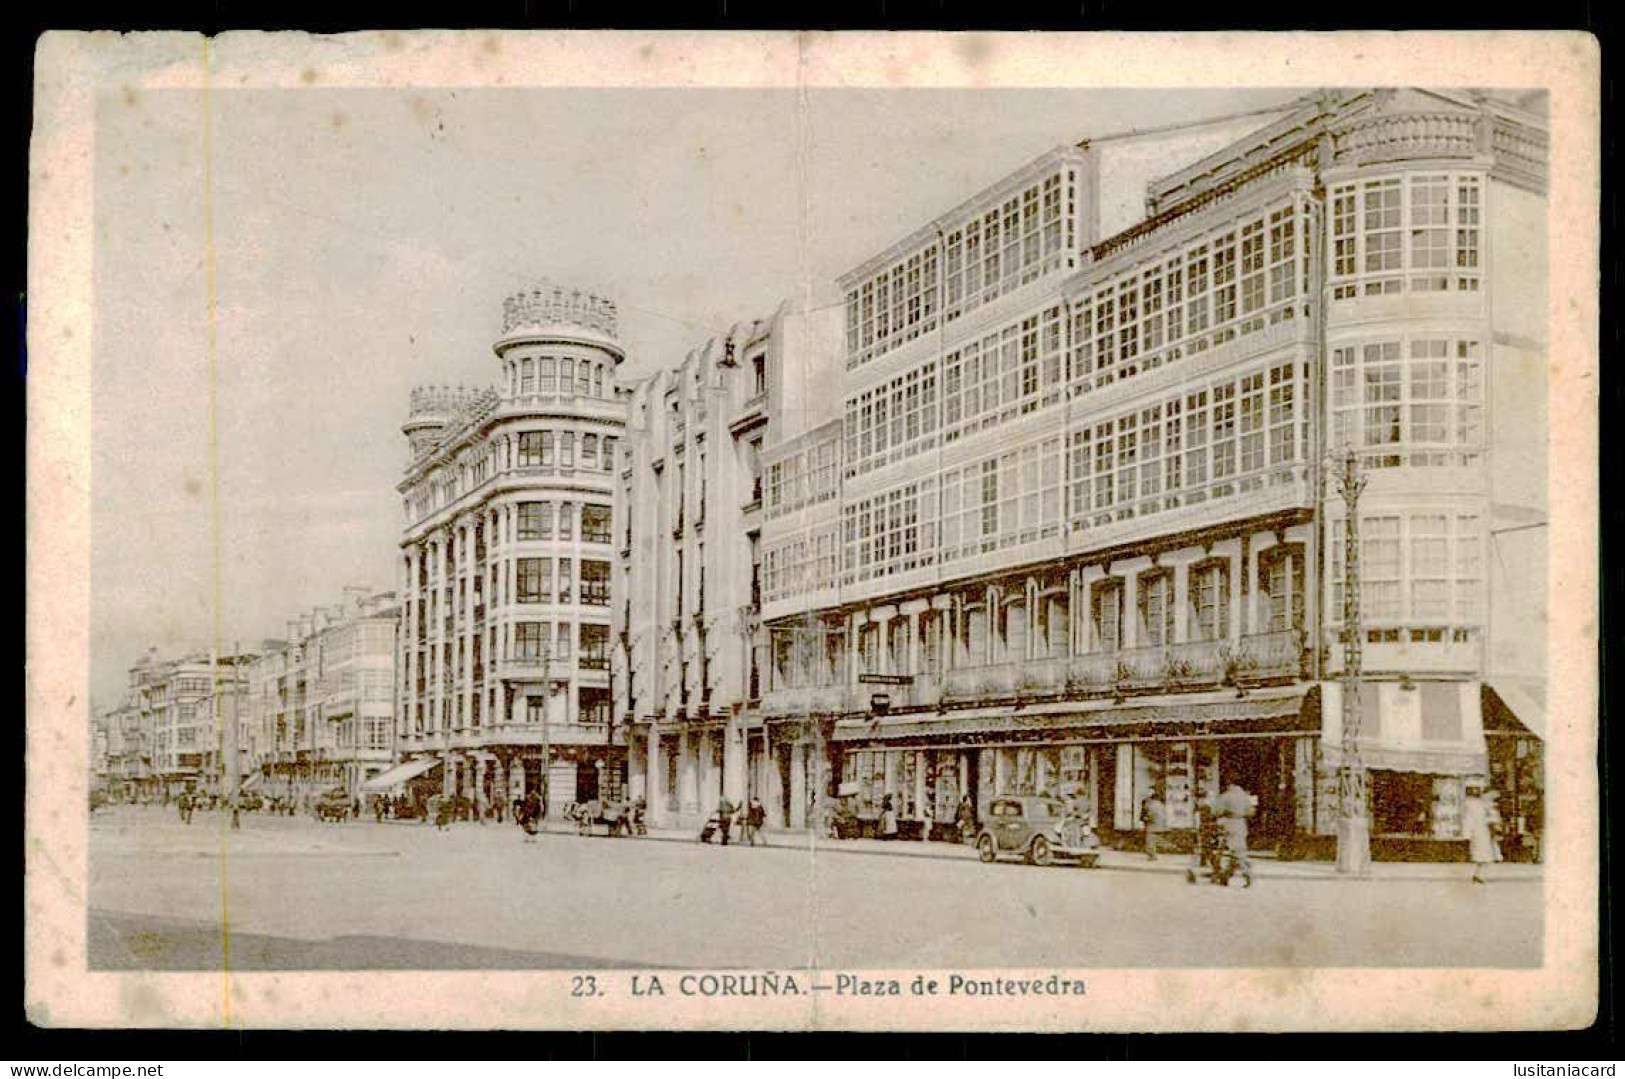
(1254, 658)
(595, 535)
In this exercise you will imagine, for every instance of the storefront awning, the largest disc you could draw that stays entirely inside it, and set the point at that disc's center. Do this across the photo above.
(399, 774)
(252, 781)
(1272, 710)
(1432, 728)
(1509, 710)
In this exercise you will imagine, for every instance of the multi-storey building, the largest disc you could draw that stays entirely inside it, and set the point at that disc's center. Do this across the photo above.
(120, 762)
(320, 702)
(688, 623)
(173, 698)
(506, 564)
(1082, 509)
(168, 734)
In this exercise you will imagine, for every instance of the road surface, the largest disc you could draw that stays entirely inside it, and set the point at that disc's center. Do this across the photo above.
(293, 894)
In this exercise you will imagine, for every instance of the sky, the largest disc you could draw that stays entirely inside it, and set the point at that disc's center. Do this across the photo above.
(363, 241)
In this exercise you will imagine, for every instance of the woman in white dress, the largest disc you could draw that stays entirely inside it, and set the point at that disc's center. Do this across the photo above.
(1479, 820)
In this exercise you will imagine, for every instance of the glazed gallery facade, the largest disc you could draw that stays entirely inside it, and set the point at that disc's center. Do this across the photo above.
(1085, 525)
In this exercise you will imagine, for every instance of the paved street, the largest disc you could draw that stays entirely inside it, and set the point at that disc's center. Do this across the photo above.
(294, 894)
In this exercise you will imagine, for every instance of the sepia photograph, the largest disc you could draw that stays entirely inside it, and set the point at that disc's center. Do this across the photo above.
(845, 547)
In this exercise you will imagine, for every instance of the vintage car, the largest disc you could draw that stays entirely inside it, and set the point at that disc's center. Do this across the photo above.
(334, 805)
(1036, 827)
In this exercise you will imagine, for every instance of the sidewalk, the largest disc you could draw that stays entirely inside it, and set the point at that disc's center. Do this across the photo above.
(1265, 865)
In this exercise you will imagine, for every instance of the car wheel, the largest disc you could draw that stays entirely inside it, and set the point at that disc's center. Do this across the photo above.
(985, 849)
(1039, 852)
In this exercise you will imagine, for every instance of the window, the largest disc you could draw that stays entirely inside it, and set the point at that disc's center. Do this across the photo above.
(1430, 567)
(567, 516)
(595, 523)
(530, 640)
(1381, 574)
(1281, 581)
(567, 449)
(1106, 615)
(1419, 232)
(549, 375)
(535, 520)
(532, 451)
(535, 580)
(561, 641)
(758, 362)
(566, 580)
(1209, 588)
(594, 583)
(1156, 602)
(527, 376)
(1000, 249)
(930, 642)
(567, 377)
(594, 646)
(1423, 395)
(584, 372)
(589, 451)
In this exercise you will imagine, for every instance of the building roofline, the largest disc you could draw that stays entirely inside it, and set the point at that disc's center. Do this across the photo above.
(1011, 180)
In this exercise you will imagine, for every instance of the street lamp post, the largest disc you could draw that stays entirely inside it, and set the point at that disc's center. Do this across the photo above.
(547, 736)
(1353, 824)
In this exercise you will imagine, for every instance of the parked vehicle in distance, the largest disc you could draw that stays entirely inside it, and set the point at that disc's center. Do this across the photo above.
(334, 805)
(1036, 827)
(250, 802)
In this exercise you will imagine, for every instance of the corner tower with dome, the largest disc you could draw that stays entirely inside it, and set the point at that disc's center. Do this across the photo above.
(509, 501)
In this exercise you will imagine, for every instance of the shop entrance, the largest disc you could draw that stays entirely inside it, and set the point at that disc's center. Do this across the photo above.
(586, 781)
(1263, 769)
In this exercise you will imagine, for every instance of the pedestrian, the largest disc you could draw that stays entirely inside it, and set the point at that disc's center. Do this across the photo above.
(1232, 808)
(1479, 820)
(888, 818)
(236, 816)
(355, 808)
(529, 813)
(725, 812)
(925, 819)
(755, 817)
(1154, 820)
(965, 818)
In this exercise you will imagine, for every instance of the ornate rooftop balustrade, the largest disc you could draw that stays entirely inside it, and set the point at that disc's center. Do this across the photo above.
(552, 304)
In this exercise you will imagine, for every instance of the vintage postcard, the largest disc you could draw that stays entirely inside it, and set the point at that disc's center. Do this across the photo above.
(813, 531)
